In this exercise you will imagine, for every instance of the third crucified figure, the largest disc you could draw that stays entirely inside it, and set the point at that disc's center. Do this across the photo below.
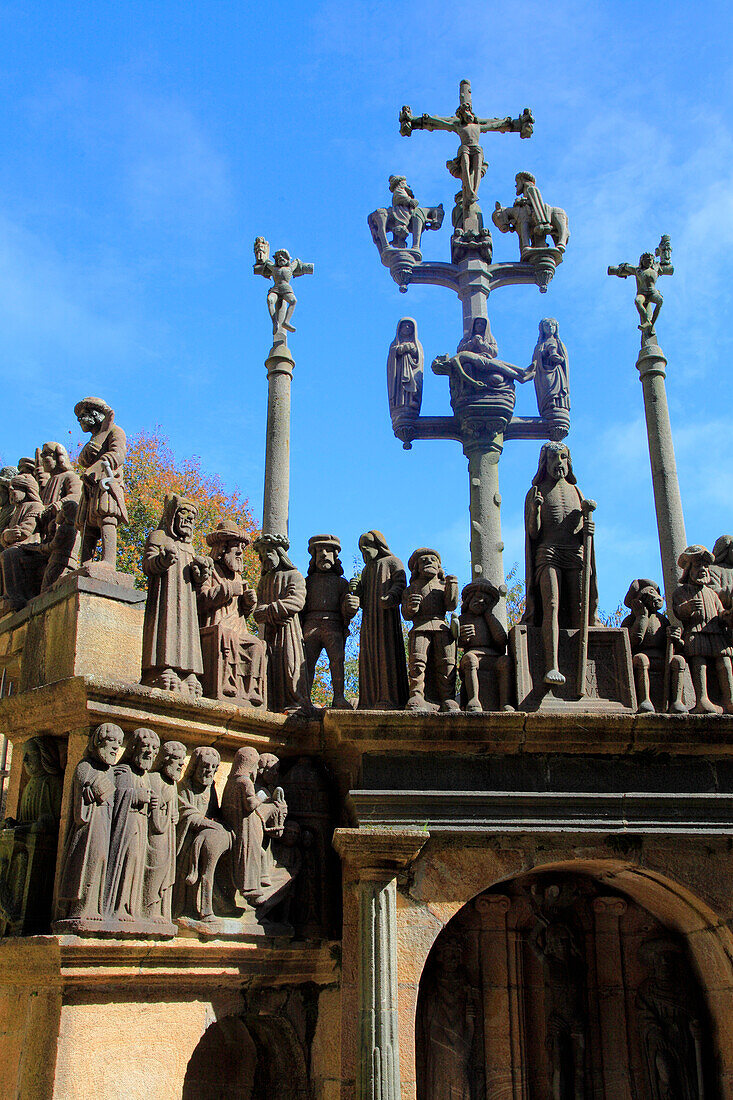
(469, 165)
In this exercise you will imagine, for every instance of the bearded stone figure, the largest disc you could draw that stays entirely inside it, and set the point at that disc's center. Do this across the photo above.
(281, 596)
(171, 645)
(160, 864)
(378, 592)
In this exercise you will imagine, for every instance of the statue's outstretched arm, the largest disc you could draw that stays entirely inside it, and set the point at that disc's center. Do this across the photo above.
(502, 125)
(434, 122)
(265, 268)
(623, 270)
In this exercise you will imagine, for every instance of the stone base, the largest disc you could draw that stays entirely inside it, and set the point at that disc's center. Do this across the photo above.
(115, 929)
(609, 675)
(100, 571)
(233, 928)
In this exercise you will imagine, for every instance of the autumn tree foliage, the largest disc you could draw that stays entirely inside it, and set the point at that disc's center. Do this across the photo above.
(151, 474)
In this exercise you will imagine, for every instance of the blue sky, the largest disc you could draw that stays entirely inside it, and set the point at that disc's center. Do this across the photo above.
(145, 145)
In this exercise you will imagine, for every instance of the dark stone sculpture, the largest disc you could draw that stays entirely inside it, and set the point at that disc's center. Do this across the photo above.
(171, 644)
(280, 599)
(532, 219)
(86, 856)
(404, 218)
(234, 659)
(63, 547)
(327, 614)
(706, 630)
(200, 837)
(160, 865)
(378, 591)
(648, 300)
(722, 569)
(129, 833)
(21, 561)
(28, 842)
(671, 1029)
(558, 945)
(405, 373)
(653, 648)
(313, 900)
(431, 645)
(551, 382)
(282, 270)
(481, 385)
(102, 459)
(447, 1026)
(556, 517)
(7, 473)
(485, 665)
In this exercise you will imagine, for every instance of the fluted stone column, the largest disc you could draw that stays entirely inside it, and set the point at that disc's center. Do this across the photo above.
(611, 997)
(667, 502)
(374, 856)
(280, 366)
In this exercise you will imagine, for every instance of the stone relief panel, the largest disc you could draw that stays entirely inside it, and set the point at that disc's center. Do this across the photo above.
(556, 986)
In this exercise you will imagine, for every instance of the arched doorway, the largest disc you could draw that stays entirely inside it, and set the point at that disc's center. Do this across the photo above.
(254, 1058)
(557, 986)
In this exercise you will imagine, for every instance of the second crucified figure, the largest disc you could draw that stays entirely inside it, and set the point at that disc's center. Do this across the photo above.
(281, 269)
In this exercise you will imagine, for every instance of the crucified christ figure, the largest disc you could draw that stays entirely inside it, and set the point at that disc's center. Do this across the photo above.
(281, 298)
(469, 165)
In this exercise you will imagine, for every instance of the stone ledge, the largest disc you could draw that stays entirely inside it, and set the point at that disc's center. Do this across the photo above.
(72, 963)
(693, 814)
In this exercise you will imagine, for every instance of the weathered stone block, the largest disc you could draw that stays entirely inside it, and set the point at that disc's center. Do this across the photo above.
(609, 682)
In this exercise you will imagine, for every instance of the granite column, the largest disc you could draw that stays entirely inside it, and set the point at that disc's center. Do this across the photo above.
(280, 366)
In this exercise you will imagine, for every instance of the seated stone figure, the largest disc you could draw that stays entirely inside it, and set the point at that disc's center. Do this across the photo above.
(28, 842)
(485, 666)
(651, 636)
(235, 659)
(63, 547)
(21, 561)
(706, 631)
(200, 837)
(431, 646)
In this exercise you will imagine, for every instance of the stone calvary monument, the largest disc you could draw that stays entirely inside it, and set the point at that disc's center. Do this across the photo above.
(500, 868)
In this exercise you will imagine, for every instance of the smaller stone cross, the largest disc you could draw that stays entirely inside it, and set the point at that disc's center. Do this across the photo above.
(281, 298)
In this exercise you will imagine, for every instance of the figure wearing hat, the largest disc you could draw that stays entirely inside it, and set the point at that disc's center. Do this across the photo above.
(235, 660)
(483, 640)
(102, 506)
(280, 599)
(400, 215)
(431, 654)
(653, 642)
(327, 613)
(706, 631)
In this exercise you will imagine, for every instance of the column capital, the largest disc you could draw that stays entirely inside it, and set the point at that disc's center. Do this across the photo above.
(280, 361)
(609, 904)
(379, 852)
(651, 361)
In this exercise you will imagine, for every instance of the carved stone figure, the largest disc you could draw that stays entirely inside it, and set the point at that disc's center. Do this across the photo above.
(404, 218)
(86, 857)
(648, 300)
(378, 591)
(7, 473)
(63, 483)
(556, 517)
(234, 659)
(281, 298)
(448, 1023)
(706, 629)
(549, 369)
(160, 864)
(722, 569)
(469, 165)
(129, 835)
(531, 218)
(200, 837)
(557, 944)
(652, 646)
(171, 645)
(483, 640)
(308, 798)
(28, 842)
(63, 548)
(405, 371)
(255, 817)
(431, 645)
(671, 1029)
(280, 598)
(21, 561)
(327, 613)
(102, 459)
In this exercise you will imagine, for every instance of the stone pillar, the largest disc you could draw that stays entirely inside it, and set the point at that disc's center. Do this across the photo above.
(611, 998)
(670, 520)
(280, 366)
(503, 1023)
(373, 858)
(485, 507)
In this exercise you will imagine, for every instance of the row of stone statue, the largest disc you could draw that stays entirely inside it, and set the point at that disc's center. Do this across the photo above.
(51, 518)
(147, 843)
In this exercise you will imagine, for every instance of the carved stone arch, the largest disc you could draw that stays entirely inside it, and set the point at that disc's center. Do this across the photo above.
(247, 1057)
(508, 1018)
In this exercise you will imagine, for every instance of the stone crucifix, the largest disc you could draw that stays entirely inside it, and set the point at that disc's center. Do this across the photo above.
(469, 165)
(281, 303)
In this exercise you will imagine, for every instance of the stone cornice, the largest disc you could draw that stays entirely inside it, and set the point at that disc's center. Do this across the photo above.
(374, 852)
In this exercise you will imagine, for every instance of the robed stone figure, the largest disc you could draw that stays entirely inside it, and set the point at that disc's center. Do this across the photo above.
(281, 597)
(405, 364)
(171, 644)
(378, 591)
